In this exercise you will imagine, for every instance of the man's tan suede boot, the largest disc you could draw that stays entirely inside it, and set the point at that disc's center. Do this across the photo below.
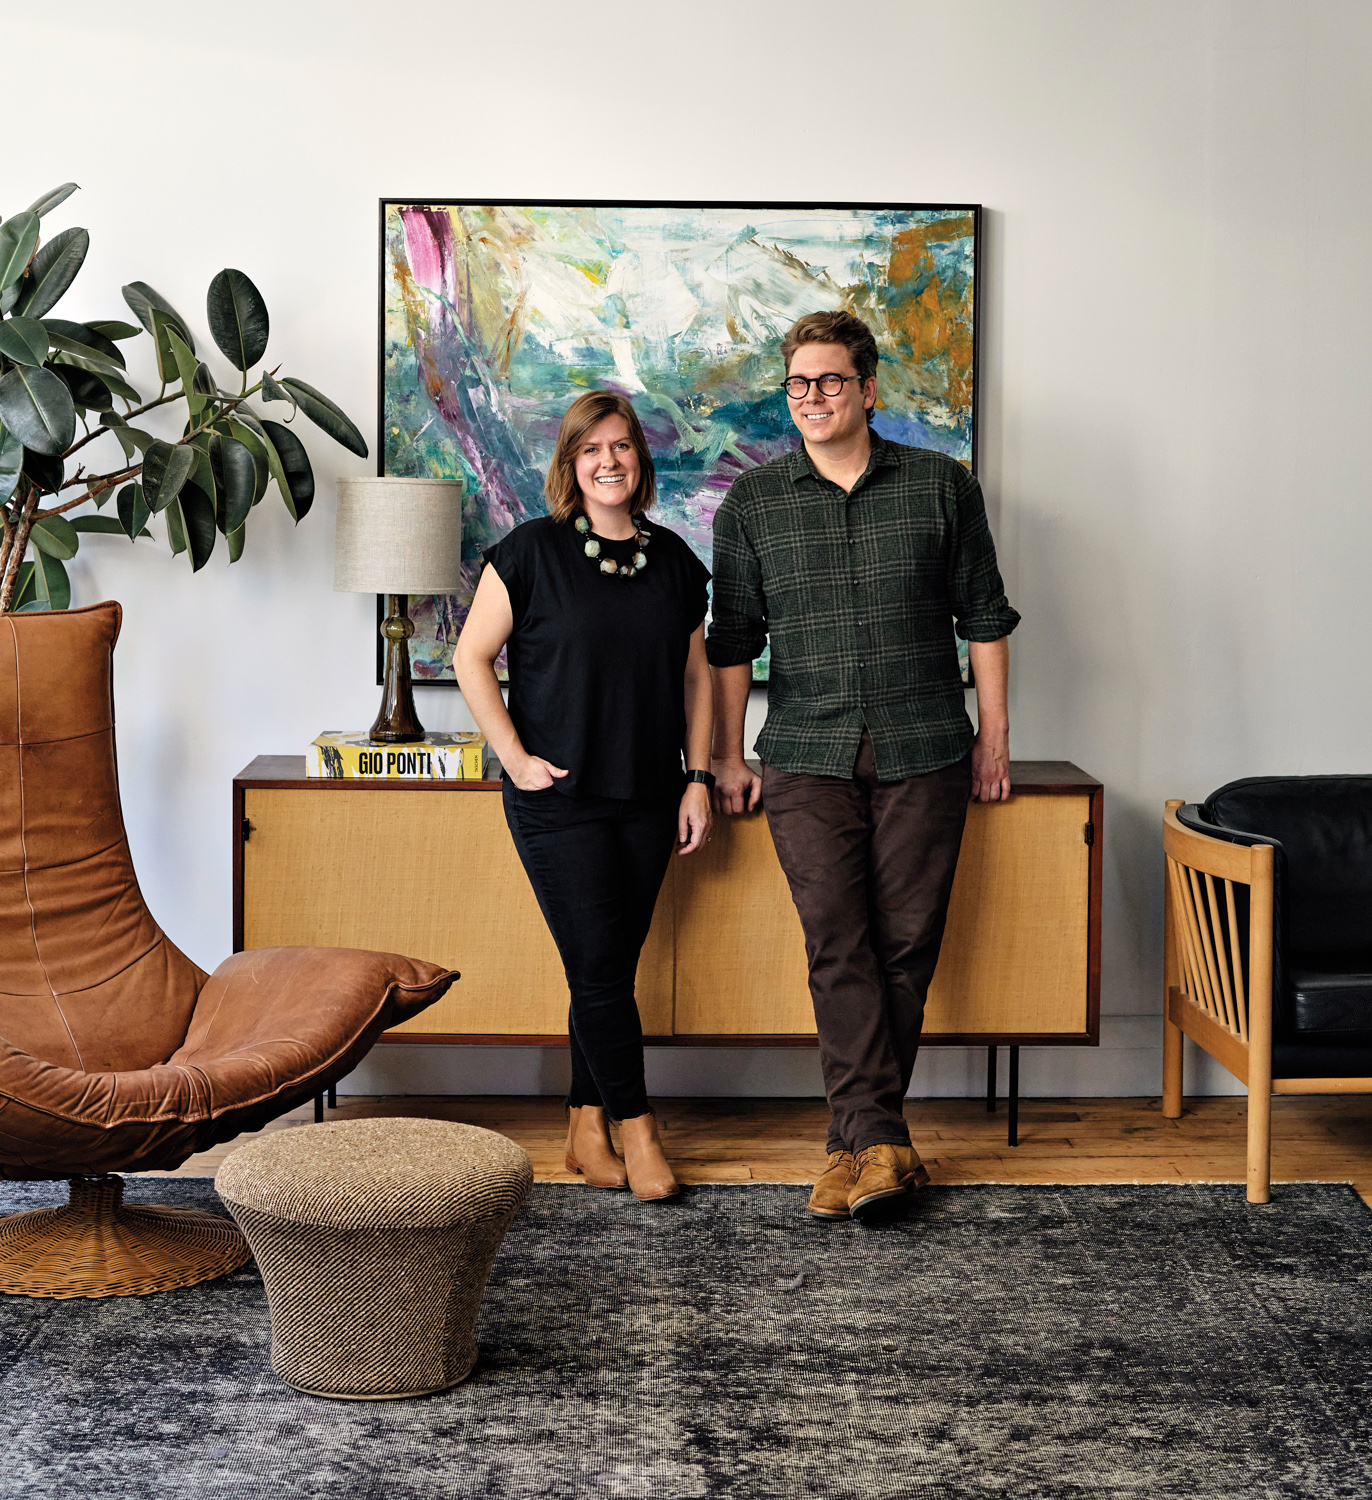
(883, 1172)
(830, 1197)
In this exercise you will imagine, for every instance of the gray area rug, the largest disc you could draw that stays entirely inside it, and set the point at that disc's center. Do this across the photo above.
(1023, 1341)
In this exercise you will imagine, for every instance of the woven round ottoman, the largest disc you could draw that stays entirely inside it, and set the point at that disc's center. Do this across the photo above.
(374, 1239)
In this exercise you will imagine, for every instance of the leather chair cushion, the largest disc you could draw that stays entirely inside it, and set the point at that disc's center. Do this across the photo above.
(1332, 994)
(1324, 827)
(1350, 1057)
(271, 1027)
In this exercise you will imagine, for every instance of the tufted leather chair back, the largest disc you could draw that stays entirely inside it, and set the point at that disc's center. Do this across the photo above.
(87, 978)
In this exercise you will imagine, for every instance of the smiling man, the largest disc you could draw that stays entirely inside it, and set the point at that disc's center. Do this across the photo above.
(855, 557)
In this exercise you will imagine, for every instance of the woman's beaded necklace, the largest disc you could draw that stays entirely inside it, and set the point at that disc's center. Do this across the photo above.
(608, 565)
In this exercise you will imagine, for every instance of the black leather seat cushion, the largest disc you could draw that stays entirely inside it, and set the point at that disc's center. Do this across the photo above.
(1311, 1058)
(1332, 994)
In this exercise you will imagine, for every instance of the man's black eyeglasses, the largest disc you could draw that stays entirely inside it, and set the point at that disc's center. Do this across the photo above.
(797, 387)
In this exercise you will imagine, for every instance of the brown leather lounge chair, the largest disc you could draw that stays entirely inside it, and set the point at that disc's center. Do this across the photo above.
(116, 1052)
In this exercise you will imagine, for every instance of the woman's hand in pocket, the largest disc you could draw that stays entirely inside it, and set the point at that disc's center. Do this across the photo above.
(534, 774)
(695, 819)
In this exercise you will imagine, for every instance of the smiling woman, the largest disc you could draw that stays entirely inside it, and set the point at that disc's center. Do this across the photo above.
(609, 688)
(601, 457)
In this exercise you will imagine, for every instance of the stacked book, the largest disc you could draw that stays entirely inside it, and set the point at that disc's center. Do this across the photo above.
(437, 757)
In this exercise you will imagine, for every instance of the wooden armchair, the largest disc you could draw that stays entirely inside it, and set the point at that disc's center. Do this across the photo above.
(1268, 943)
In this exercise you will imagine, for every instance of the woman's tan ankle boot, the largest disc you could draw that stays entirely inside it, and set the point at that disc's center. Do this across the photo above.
(590, 1152)
(649, 1175)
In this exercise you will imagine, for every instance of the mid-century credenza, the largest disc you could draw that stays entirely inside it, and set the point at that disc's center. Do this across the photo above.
(427, 868)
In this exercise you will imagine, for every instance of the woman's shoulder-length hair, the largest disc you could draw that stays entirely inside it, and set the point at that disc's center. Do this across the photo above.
(588, 411)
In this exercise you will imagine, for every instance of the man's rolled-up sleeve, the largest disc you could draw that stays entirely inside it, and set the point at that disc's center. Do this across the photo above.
(738, 623)
(975, 588)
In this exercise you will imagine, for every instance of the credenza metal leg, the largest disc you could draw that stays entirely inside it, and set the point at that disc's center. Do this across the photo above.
(1014, 1096)
(990, 1080)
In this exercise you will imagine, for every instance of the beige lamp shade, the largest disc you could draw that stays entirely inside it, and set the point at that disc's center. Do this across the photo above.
(398, 536)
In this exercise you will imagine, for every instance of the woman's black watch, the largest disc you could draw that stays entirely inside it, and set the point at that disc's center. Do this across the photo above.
(704, 777)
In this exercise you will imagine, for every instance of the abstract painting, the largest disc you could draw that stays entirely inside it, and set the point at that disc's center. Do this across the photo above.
(495, 316)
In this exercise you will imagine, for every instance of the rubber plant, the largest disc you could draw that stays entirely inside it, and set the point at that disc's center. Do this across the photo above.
(69, 412)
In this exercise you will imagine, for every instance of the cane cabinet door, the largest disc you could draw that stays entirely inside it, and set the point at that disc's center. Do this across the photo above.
(1014, 958)
(1015, 950)
(740, 953)
(433, 875)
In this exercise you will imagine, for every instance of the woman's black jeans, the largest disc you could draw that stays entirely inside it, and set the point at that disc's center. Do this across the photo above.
(596, 865)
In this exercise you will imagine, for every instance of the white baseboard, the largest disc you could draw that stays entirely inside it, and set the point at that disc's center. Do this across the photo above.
(1127, 1064)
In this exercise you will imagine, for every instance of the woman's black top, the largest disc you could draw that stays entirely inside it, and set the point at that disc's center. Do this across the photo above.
(598, 662)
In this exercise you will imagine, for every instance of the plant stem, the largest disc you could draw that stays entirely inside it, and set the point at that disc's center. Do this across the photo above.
(18, 547)
(8, 540)
(136, 411)
(97, 486)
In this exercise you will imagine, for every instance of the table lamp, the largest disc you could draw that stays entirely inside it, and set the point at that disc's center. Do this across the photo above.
(398, 537)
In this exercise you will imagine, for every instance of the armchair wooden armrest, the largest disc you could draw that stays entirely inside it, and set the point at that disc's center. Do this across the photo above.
(1205, 993)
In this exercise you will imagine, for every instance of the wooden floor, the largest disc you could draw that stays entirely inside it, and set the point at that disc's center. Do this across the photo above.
(1321, 1139)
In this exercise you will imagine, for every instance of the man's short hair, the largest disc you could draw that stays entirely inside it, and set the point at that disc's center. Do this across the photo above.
(835, 328)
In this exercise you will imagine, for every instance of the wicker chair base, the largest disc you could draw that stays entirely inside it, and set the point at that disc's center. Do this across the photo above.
(95, 1247)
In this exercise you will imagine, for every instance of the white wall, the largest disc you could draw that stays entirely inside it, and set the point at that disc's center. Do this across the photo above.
(1176, 372)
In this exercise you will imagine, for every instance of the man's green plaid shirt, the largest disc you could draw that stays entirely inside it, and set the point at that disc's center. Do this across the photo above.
(858, 594)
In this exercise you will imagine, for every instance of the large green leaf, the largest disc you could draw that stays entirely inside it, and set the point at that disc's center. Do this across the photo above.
(323, 413)
(255, 446)
(163, 326)
(18, 236)
(240, 484)
(24, 340)
(274, 467)
(251, 421)
(273, 390)
(88, 391)
(197, 511)
(293, 474)
(108, 525)
(131, 439)
(202, 382)
(50, 584)
(235, 540)
(11, 464)
(10, 295)
(133, 510)
(112, 328)
(83, 334)
(176, 528)
(166, 467)
(38, 409)
(238, 318)
(123, 432)
(203, 474)
(185, 367)
(24, 597)
(55, 535)
(142, 300)
(54, 269)
(85, 355)
(45, 471)
(110, 374)
(49, 201)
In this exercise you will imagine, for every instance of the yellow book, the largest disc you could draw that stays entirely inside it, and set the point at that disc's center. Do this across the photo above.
(437, 757)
